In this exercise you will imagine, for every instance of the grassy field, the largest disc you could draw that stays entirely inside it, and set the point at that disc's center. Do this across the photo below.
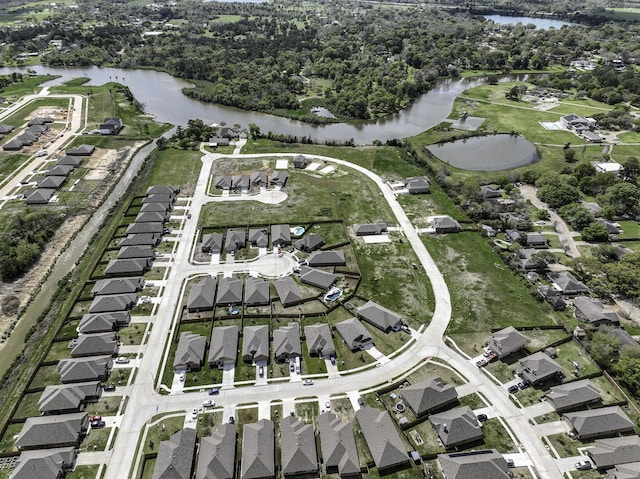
(176, 167)
(161, 432)
(84, 472)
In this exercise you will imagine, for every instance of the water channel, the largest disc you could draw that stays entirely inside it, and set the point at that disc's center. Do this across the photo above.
(541, 23)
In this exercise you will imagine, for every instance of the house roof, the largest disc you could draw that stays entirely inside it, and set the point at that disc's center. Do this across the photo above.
(256, 292)
(616, 450)
(101, 322)
(565, 282)
(286, 341)
(81, 150)
(573, 394)
(379, 316)
(487, 464)
(612, 229)
(369, 229)
(507, 341)
(190, 350)
(175, 456)
(229, 291)
(60, 170)
(298, 446)
(47, 431)
(40, 195)
(280, 234)
(310, 242)
(299, 161)
(601, 422)
(240, 181)
(316, 277)
(536, 238)
(538, 367)
(382, 438)
(353, 332)
(159, 198)
(592, 311)
(134, 228)
(118, 285)
(258, 460)
(429, 394)
(202, 294)
(153, 216)
(327, 258)
(138, 239)
(54, 182)
(155, 207)
(259, 178)
(217, 454)
(445, 223)
(235, 240)
(223, 182)
(255, 342)
(83, 369)
(338, 444)
(66, 397)
(212, 241)
(456, 426)
(319, 340)
(279, 178)
(417, 184)
(139, 251)
(224, 344)
(95, 345)
(44, 463)
(113, 302)
(132, 267)
(630, 470)
(288, 291)
(259, 237)
(163, 190)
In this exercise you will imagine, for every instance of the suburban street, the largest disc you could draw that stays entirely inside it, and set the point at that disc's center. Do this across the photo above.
(145, 401)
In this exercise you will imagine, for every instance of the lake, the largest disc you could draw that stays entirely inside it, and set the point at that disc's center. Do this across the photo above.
(541, 23)
(487, 153)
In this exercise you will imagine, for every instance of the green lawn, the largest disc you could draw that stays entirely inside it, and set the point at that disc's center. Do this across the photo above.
(84, 472)
(132, 334)
(566, 446)
(107, 406)
(176, 167)
(28, 406)
(46, 375)
(96, 440)
(161, 432)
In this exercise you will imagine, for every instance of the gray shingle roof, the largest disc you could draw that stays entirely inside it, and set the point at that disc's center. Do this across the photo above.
(487, 464)
(229, 291)
(369, 229)
(327, 258)
(382, 438)
(603, 422)
(317, 277)
(190, 351)
(103, 322)
(538, 367)
(286, 342)
(54, 182)
(507, 341)
(67, 397)
(258, 460)
(212, 243)
(298, 447)
(223, 182)
(81, 150)
(137, 239)
(202, 295)
(573, 394)
(52, 431)
(95, 345)
(339, 451)
(140, 251)
(44, 463)
(565, 282)
(259, 178)
(309, 243)
(84, 369)
(280, 235)
(256, 292)
(417, 184)
(379, 316)
(279, 178)
(155, 208)
(217, 454)
(153, 216)
(616, 450)
(113, 302)
(288, 291)
(118, 285)
(259, 237)
(175, 456)
(39, 196)
(255, 343)
(625, 471)
(224, 344)
(354, 334)
(456, 427)
(128, 267)
(319, 340)
(60, 170)
(159, 198)
(592, 311)
(445, 223)
(429, 395)
(236, 239)
(137, 228)
(241, 182)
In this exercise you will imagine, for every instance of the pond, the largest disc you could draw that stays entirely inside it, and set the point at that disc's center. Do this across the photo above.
(542, 23)
(487, 153)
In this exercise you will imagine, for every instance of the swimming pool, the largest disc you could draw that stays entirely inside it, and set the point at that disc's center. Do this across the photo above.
(332, 295)
(298, 230)
(548, 125)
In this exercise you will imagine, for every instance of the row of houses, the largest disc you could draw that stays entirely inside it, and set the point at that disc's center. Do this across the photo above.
(32, 133)
(257, 179)
(278, 235)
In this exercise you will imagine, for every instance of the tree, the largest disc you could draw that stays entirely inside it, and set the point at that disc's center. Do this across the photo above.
(603, 348)
(624, 197)
(631, 169)
(595, 232)
(570, 155)
(558, 196)
(627, 368)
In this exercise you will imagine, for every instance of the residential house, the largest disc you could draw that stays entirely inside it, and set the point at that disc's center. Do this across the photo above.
(118, 286)
(45, 463)
(4, 129)
(259, 179)
(417, 185)
(608, 167)
(381, 436)
(84, 369)
(507, 341)
(258, 450)
(538, 367)
(110, 126)
(354, 334)
(536, 240)
(240, 182)
(140, 239)
(489, 192)
(190, 352)
(615, 451)
(256, 292)
(259, 237)
(380, 317)
(163, 190)
(103, 322)
(592, 311)
(156, 208)
(485, 464)
(319, 340)
(39, 196)
(255, 343)
(286, 342)
(280, 235)
(223, 348)
(625, 339)
(316, 277)
(101, 344)
(619, 251)
(165, 198)
(279, 179)
(229, 292)
(338, 445)
(298, 447)
(429, 395)
(456, 427)
(60, 170)
(553, 297)
(82, 150)
(48, 432)
(327, 258)
(216, 141)
(235, 240)
(309, 243)
(573, 395)
(53, 182)
(530, 261)
(212, 243)
(512, 236)
(202, 295)
(445, 224)
(223, 182)
(143, 251)
(217, 454)
(288, 291)
(153, 216)
(68, 398)
(113, 302)
(567, 284)
(630, 470)
(228, 132)
(139, 228)
(13, 145)
(592, 137)
(300, 162)
(40, 120)
(596, 423)
(368, 229)
(176, 455)
(575, 122)
(128, 267)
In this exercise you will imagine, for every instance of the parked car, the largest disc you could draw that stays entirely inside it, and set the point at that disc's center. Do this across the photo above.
(492, 357)
(308, 382)
(487, 352)
(97, 424)
(214, 391)
(482, 417)
(327, 405)
(109, 387)
(583, 465)
(208, 403)
(182, 376)
(481, 363)
(292, 367)
(333, 360)
(42, 153)
(361, 401)
(122, 360)
(232, 420)
(261, 371)
(510, 463)
(194, 414)
(524, 384)
(95, 418)
(513, 389)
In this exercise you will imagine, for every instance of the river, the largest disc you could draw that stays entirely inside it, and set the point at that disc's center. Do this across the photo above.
(162, 95)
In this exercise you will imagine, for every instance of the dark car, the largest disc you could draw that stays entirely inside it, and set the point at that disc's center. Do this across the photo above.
(361, 401)
(97, 424)
(482, 417)
(513, 389)
(524, 384)
(232, 420)
(214, 391)
(109, 387)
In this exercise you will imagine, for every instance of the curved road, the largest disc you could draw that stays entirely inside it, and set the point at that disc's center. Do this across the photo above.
(144, 402)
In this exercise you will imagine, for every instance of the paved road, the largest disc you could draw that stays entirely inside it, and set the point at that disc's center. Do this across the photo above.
(145, 402)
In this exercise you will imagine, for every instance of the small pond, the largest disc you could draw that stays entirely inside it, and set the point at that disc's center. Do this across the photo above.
(487, 153)
(542, 23)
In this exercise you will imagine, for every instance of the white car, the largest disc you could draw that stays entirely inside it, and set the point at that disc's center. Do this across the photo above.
(308, 382)
(42, 153)
(194, 414)
(122, 360)
(182, 376)
(208, 403)
(327, 405)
